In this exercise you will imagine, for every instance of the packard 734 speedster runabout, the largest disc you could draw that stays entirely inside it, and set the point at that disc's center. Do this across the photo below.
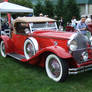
(36, 40)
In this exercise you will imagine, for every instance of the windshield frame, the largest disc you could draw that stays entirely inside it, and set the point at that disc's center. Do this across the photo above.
(44, 28)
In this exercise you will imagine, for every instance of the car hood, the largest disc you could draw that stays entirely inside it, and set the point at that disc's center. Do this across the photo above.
(53, 34)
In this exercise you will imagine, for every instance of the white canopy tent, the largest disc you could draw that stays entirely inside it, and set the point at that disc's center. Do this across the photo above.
(7, 7)
(11, 8)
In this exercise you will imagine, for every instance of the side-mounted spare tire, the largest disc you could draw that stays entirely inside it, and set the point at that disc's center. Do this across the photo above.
(56, 68)
(30, 47)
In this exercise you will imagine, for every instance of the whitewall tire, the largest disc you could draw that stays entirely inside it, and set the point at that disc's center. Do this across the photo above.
(56, 68)
(2, 49)
(29, 49)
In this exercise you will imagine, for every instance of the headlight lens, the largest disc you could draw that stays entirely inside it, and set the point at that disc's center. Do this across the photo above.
(72, 45)
(91, 41)
(85, 56)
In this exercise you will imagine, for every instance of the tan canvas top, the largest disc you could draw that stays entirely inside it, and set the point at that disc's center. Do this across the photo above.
(34, 19)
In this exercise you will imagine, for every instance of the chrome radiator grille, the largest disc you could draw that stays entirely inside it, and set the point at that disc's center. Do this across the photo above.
(82, 45)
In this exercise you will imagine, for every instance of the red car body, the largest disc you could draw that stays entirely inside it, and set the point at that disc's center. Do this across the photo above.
(46, 41)
(49, 41)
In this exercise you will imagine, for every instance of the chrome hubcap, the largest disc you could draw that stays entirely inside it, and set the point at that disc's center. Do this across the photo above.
(54, 67)
(29, 49)
(3, 48)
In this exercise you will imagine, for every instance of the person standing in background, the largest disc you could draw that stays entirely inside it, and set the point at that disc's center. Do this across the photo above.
(61, 23)
(81, 26)
(88, 20)
(73, 22)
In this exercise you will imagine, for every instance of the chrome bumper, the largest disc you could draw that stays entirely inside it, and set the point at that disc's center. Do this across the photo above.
(79, 70)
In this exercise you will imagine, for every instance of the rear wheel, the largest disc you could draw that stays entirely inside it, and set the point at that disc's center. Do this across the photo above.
(56, 68)
(2, 46)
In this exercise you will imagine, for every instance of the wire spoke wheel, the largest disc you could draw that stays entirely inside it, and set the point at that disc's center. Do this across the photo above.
(56, 68)
(2, 46)
(29, 49)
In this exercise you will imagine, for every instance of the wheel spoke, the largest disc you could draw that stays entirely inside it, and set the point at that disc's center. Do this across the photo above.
(29, 49)
(3, 49)
(54, 67)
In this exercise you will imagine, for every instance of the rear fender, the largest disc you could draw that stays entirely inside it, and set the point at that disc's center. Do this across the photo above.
(9, 46)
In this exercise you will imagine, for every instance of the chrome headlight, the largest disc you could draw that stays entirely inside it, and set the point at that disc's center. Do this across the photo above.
(72, 45)
(85, 56)
(91, 41)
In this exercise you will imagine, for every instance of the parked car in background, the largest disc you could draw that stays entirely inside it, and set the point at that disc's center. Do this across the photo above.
(90, 27)
(36, 40)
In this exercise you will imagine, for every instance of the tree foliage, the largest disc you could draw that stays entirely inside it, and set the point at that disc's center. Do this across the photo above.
(38, 8)
(66, 10)
(59, 8)
(26, 3)
(71, 9)
(48, 8)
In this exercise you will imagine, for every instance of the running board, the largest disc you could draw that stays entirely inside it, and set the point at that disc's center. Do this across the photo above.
(16, 56)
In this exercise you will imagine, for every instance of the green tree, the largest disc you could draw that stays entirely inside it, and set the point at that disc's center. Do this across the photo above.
(26, 3)
(59, 10)
(48, 8)
(39, 8)
(71, 9)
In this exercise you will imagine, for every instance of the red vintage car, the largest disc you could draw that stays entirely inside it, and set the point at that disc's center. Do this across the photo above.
(36, 40)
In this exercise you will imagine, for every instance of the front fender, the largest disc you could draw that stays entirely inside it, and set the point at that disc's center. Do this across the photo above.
(9, 46)
(52, 49)
(59, 51)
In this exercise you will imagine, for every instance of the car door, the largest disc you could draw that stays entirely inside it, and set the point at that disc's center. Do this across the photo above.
(19, 40)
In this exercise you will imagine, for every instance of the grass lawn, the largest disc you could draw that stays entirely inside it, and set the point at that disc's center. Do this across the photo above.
(19, 77)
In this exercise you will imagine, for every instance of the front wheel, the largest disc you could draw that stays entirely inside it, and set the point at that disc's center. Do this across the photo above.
(56, 68)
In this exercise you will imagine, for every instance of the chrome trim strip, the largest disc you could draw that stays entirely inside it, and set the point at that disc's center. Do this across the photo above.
(81, 69)
(83, 49)
(87, 60)
(74, 73)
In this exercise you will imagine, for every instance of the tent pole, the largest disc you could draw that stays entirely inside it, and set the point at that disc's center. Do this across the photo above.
(0, 24)
(33, 12)
(0, 21)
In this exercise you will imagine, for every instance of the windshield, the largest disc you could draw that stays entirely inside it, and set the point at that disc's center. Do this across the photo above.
(43, 25)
